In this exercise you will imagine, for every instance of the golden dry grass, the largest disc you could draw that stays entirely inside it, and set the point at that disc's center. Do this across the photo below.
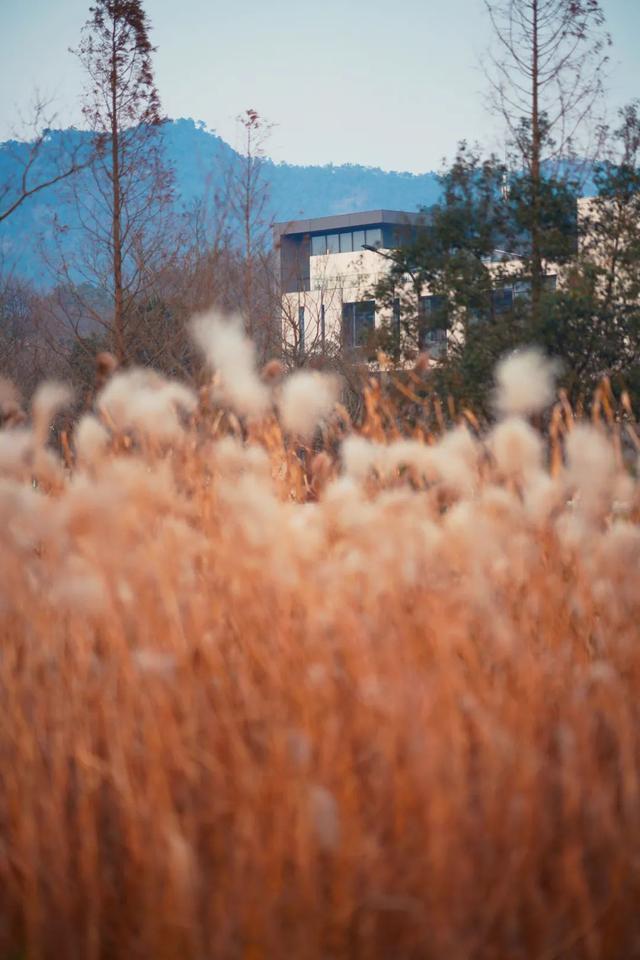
(259, 701)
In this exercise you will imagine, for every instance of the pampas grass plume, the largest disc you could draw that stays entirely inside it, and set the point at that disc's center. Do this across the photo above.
(227, 350)
(47, 401)
(525, 383)
(90, 439)
(306, 398)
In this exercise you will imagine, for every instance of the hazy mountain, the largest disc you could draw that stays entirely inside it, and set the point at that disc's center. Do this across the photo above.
(200, 159)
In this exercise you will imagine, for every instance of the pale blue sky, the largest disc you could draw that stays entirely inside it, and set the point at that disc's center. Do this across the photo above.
(387, 84)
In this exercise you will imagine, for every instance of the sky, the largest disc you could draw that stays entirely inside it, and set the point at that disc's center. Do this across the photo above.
(394, 85)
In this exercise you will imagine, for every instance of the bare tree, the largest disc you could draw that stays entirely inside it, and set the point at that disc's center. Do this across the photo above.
(547, 76)
(248, 202)
(28, 154)
(125, 212)
(37, 159)
(24, 354)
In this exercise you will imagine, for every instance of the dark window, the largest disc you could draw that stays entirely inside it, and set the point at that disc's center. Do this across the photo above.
(374, 237)
(358, 320)
(502, 299)
(435, 313)
(346, 243)
(550, 282)
(322, 324)
(390, 237)
(439, 335)
(318, 245)
(358, 239)
(333, 243)
(522, 290)
(434, 305)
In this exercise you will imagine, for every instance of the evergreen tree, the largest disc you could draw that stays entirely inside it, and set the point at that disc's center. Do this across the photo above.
(593, 322)
(470, 256)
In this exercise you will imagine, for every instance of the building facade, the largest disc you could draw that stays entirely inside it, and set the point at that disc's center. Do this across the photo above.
(329, 266)
(327, 269)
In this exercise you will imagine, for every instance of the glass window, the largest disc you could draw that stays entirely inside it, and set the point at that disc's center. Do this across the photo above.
(550, 282)
(435, 328)
(346, 242)
(301, 328)
(333, 243)
(502, 299)
(389, 238)
(318, 245)
(348, 332)
(358, 239)
(374, 237)
(434, 304)
(436, 343)
(438, 335)
(358, 320)
(522, 290)
(365, 319)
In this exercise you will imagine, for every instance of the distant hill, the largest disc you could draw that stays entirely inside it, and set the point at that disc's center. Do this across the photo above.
(200, 158)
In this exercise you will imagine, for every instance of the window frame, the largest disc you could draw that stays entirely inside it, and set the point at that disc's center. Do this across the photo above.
(319, 237)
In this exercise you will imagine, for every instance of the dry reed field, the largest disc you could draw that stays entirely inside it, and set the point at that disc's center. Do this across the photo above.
(274, 687)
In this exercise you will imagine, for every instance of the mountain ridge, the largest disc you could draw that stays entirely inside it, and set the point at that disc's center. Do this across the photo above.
(200, 158)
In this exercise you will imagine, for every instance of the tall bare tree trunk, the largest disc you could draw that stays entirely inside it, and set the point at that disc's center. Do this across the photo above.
(536, 146)
(547, 78)
(116, 223)
(131, 186)
(247, 196)
(248, 241)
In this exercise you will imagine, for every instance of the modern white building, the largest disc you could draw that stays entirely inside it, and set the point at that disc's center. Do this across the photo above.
(327, 269)
(329, 266)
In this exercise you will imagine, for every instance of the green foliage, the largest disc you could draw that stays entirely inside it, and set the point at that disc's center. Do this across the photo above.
(473, 253)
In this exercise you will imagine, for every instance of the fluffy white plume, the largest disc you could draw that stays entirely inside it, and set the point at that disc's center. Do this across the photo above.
(360, 456)
(525, 383)
(455, 461)
(517, 448)
(90, 439)
(48, 399)
(142, 400)
(228, 351)
(9, 394)
(408, 453)
(451, 462)
(234, 458)
(16, 448)
(305, 399)
(592, 470)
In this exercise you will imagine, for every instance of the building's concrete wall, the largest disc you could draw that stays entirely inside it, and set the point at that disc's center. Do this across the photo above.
(335, 278)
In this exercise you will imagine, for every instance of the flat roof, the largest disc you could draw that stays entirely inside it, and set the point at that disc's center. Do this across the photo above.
(342, 221)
